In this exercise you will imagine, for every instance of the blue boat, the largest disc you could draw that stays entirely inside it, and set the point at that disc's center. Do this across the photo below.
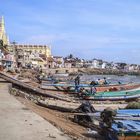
(129, 127)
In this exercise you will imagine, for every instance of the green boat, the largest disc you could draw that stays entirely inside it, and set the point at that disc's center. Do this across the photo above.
(113, 95)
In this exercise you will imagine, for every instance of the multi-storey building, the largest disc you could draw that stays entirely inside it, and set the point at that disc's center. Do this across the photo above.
(6, 59)
(24, 54)
(30, 54)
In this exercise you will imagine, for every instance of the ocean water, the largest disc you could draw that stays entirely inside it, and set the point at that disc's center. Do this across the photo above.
(113, 79)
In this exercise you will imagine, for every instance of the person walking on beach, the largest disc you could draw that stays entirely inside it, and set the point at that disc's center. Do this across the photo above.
(77, 82)
(93, 90)
(98, 82)
(93, 83)
(105, 81)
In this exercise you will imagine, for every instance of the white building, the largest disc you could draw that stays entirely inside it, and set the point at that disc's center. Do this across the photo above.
(104, 65)
(67, 64)
(133, 67)
(59, 61)
(97, 63)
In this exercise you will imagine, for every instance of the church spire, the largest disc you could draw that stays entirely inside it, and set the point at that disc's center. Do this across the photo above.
(2, 25)
(3, 35)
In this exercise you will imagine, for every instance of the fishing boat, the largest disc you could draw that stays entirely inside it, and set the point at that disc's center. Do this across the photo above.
(124, 125)
(70, 88)
(62, 74)
(113, 95)
(128, 128)
(117, 87)
(129, 132)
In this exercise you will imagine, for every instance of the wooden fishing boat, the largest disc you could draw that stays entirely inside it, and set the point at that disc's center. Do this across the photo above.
(62, 74)
(70, 88)
(127, 129)
(117, 87)
(125, 125)
(113, 95)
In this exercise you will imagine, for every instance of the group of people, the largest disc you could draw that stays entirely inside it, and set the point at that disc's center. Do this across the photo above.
(100, 82)
(92, 90)
(82, 90)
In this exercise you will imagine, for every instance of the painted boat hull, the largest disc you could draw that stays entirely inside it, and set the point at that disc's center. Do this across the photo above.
(131, 131)
(113, 96)
(129, 138)
(71, 88)
(117, 87)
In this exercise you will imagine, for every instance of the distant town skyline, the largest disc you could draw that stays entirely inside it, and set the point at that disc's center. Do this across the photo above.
(104, 29)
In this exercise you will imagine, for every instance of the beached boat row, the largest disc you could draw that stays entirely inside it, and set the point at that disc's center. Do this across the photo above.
(126, 126)
(99, 88)
(103, 92)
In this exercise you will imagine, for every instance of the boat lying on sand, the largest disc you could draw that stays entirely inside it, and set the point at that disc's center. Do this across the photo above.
(117, 87)
(111, 124)
(70, 88)
(128, 128)
(113, 95)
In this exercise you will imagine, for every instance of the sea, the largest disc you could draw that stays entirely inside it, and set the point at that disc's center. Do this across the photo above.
(113, 79)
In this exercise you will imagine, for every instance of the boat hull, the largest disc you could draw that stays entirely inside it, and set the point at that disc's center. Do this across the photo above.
(70, 89)
(129, 138)
(114, 96)
(116, 87)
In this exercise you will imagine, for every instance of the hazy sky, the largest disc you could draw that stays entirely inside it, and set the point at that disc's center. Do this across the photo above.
(106, 29)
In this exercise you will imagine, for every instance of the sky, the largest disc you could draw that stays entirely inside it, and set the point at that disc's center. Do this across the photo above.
(104, 29)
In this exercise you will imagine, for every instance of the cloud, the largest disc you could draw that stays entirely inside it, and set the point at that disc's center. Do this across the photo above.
(98, 41)
(87, 28)
(44, 38)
